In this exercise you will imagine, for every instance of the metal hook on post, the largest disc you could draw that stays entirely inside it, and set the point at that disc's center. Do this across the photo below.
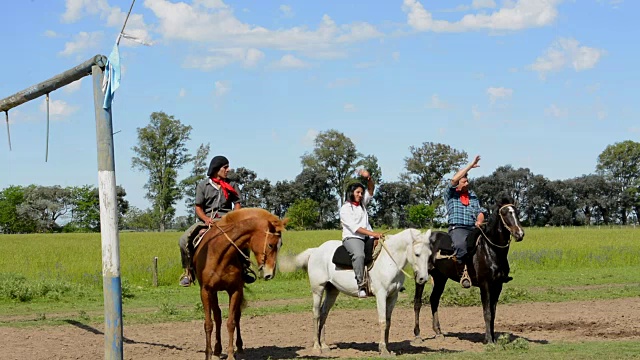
(8, 132)
(46, 156)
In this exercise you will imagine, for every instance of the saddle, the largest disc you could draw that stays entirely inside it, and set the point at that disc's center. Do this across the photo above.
(342, 259)
(443, 245)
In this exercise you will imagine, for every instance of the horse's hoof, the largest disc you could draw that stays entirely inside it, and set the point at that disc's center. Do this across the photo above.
(325, 348)
(439, 337)
(387, 354)
(417, 341)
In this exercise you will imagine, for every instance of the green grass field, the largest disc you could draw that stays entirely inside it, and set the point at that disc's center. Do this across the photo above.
(62, 272)
(49, 279)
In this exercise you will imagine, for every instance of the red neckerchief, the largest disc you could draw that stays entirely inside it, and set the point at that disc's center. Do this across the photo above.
(464, 197)
(225, 186)
(355, 203)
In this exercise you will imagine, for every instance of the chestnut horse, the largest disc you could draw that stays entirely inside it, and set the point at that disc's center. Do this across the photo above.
(218, 261)
(488, 267)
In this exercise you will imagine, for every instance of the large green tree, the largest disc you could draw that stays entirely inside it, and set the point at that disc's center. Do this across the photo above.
(85, 208)
(620, 164)
(427, 167)
(197, 174)
(12, 221)
(44, 205)
(336, 155)
(161, 152)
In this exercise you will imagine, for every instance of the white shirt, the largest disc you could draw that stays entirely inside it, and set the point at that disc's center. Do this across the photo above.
(354, 217)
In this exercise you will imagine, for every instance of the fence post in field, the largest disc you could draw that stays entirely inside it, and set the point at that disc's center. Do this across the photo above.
(155, 271)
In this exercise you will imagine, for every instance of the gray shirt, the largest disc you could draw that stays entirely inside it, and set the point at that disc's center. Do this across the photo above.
(211, 198)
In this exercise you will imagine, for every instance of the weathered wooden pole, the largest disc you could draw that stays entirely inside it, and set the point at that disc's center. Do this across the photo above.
(111, 285)
(54, 83)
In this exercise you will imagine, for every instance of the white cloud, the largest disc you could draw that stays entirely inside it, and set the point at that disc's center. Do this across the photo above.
(475, 112)
(481, 4)
(437, 103)
(518, 15)
(58, 109)
(499, 93)
(309, 138)
(182, 93)
(286, 11)
(51, 34)
(348, 107)
(222, 57)
(290, 62)
(566, 52)
(73, 87)
(557, 112)
(114, 16)
(222, 88)
(77, 9)
(343, 82)
(181, 21)
(81, 42)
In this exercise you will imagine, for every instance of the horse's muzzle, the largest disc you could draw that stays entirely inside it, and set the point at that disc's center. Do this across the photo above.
(420, 279)
(267, 273)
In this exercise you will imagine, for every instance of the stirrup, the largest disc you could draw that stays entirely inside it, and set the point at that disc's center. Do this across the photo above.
(465, 280)
(248, 275)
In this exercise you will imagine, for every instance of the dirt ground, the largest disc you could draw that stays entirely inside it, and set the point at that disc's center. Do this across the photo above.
(350, 333)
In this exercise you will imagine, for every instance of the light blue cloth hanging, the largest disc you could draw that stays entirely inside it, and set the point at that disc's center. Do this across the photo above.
(111, 80)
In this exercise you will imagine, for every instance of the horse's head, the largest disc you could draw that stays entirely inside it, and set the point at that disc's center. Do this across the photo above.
(265, 242)
(509, 216)
(421, 253)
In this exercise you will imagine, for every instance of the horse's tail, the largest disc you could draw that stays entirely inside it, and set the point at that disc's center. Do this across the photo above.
(302, 260)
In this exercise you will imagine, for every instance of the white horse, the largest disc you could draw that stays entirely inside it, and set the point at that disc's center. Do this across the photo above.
(386, 278)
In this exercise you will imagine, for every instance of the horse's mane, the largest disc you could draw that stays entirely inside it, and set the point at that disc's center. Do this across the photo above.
(249, 213)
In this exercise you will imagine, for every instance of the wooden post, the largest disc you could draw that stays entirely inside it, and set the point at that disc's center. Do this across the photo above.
(155, 271)
(111, 284)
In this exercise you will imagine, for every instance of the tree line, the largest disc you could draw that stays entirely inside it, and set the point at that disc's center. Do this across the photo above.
(312, 199)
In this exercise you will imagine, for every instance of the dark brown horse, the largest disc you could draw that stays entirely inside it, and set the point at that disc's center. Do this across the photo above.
(488, 268)
(218, 261)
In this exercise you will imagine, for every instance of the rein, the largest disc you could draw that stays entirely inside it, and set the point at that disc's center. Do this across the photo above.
(248, 258)
(384, 246)
(505, 225)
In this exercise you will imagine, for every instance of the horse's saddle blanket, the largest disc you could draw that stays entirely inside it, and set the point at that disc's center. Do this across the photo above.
(444, 245)
(342, 258)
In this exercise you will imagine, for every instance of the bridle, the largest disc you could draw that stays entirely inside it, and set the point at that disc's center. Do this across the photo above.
(248, 258)
(505, 225)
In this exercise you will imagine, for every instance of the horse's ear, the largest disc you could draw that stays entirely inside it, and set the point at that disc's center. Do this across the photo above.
(284, 222)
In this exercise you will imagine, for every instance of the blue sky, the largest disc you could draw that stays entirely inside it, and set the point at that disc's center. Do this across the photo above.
(543, 84)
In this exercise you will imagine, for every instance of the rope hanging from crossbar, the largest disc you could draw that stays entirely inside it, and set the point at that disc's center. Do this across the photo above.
(46, 156)
(8, 132)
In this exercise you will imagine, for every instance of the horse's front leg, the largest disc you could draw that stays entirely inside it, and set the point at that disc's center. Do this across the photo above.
(235, 302)
(217, 318)
(239, 342)
(495, 289)
(417, 305)
(384, 321)
(208, 324)
(439, 282)
(487, 294)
